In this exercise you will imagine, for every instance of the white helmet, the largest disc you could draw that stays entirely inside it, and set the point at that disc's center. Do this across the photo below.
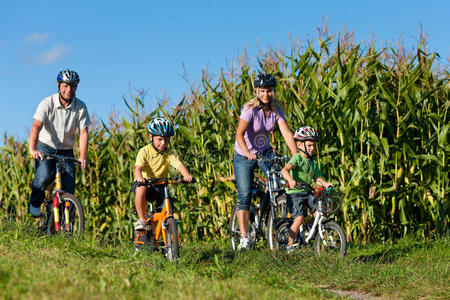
(306, 133)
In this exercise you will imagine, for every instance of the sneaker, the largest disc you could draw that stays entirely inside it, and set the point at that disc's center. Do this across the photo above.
(243, 244)
(140, 224)
(306, 229)
(35, 211)
(291, 248)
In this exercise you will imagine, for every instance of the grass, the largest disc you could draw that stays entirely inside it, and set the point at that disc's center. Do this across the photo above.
(41, 267)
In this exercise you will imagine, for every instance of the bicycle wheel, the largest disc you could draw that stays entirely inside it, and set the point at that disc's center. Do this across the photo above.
(75, 224)
(278, 226)
(277, 232)
(235, 233)
(172, 244)
(333, 242)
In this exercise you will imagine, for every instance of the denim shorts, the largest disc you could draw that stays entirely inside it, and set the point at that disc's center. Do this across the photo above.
(154, 194)
(244, 171)
(298, 202)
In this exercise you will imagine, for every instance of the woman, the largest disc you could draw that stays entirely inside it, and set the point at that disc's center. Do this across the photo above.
(258, 118)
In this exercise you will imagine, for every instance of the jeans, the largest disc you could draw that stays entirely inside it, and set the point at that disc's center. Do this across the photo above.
(244, 173)
(45, 174)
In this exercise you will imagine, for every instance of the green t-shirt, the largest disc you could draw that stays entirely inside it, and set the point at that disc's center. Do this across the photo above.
(304, 170)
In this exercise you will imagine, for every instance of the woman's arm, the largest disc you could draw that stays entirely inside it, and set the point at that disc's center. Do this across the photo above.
(288, 137)
(240, 131)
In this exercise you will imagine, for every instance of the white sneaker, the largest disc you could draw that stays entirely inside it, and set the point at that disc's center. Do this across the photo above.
(291, 248)
(140, 224)
(243, 244)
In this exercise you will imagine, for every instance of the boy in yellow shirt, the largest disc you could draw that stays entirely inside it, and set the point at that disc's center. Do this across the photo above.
(152, 162)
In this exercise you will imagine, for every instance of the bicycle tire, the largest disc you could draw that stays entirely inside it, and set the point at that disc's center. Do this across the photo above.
(76, 217)
(172, 245)
(335, 241)
(235, 233)
(278, 226)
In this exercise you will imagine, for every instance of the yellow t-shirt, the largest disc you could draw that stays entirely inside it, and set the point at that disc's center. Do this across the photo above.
(155, 164)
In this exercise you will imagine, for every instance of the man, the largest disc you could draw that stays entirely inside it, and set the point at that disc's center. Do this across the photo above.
(55, 123)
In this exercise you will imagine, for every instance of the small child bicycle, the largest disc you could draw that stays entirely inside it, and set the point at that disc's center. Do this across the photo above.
(160, 223)
(328, 236)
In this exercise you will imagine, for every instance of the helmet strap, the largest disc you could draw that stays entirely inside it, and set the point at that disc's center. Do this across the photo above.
(160, 152)
(306, 152)
(264, 106)
(68, 100)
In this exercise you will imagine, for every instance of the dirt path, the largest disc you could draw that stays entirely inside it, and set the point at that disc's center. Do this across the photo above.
(355, 294)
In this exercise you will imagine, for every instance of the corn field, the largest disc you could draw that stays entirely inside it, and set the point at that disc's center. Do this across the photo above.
(382, 115)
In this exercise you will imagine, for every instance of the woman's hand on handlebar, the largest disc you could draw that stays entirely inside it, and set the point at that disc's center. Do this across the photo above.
(250, 156)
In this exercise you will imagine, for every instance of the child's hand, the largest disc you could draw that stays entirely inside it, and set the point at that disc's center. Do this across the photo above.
(292, 184)
(329, 185)
(187, 178)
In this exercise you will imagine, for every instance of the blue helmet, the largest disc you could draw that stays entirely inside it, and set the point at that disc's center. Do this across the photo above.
(161, 127)
(68, 76)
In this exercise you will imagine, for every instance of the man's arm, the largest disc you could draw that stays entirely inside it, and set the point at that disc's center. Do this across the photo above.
(84, 139)
(33, 139)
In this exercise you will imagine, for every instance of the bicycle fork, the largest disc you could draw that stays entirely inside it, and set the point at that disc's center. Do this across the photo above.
(56, 201)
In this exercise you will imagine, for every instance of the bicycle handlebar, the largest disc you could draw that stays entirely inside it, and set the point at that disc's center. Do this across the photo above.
(276, 159)
(62, 158)
(158, 181)
(301, 185)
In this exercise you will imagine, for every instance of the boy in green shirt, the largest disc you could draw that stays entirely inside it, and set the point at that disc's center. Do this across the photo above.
(303, 167)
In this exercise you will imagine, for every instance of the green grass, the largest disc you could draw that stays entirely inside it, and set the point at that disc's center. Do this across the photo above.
(37, 267)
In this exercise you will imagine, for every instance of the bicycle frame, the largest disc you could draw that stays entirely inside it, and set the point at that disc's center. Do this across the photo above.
(57, 191)
(158, 221)
(275, 180)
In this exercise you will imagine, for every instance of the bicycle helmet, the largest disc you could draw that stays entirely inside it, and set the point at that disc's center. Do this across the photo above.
(306, 133)
(264, 81)
(68, 76)
(161, 127)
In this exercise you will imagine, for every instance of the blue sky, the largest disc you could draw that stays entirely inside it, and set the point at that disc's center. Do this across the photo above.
(148, 44)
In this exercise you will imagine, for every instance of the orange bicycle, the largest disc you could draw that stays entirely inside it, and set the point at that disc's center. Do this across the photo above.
(159, 224)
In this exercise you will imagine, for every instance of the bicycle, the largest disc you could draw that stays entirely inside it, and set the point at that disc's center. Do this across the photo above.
(160, 224)
(265, 215)
(328, 236)
(56, 200)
